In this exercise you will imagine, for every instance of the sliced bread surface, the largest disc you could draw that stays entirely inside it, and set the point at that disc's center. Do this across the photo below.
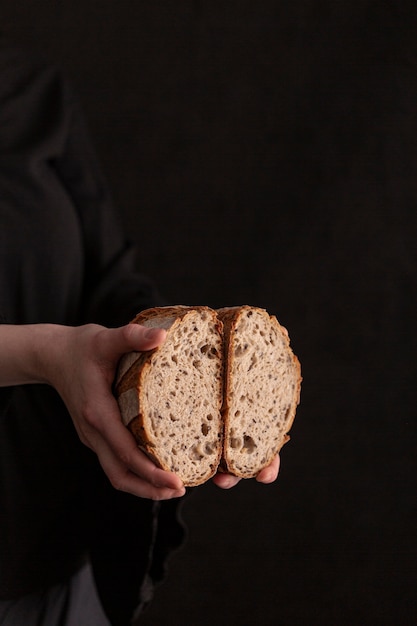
(170, 398)
(261, 389)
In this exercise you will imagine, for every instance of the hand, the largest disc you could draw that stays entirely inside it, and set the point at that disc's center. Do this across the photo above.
(82, 370)
(267, 475)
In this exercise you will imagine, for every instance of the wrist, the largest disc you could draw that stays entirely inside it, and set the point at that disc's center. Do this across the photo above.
(49, 345)
(30, 352)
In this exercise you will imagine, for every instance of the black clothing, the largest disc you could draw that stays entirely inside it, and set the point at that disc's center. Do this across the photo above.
(63, 259)
(73, 603)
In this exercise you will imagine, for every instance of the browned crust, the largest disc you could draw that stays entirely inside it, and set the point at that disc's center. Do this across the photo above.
(230, 317)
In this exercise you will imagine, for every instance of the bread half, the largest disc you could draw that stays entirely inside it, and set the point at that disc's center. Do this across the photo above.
(261, 389)
(170, 398)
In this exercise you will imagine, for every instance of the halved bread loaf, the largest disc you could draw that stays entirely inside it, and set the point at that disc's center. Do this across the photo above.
(221, 391)
(261, 389)
(170, 398)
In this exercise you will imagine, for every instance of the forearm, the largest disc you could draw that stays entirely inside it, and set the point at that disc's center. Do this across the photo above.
(27, 352)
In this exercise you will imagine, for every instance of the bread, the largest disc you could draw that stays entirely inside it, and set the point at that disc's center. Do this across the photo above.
(170, 398)
(220, 393)
(262, 382)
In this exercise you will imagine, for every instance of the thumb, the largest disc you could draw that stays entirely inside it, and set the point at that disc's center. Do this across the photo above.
(131, 338)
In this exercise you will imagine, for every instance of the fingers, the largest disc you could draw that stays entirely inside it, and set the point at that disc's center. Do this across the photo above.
(147, 481)
(133, 337)
(127, 468)
(84, 384)
(225, 481)
(269, 474)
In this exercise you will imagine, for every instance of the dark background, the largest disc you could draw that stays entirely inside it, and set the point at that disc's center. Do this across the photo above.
(266, 153)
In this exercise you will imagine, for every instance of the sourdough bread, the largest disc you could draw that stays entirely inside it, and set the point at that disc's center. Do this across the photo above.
(170, 398)
(220, 392)
(261, 389)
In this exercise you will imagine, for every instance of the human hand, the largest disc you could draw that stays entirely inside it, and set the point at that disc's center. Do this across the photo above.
(267, 475)
(82, 367)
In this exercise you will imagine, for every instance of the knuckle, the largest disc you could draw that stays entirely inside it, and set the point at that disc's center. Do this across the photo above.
(89, 415)
(84, 439)
(129, 332)
(125, 458)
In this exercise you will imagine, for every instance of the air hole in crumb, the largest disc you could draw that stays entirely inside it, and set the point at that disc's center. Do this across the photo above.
(241, 350)
(209, 417)
(208, 448)
(174, 358)
(248, 444)
(196, 453)
(205, 429)
(212, 353)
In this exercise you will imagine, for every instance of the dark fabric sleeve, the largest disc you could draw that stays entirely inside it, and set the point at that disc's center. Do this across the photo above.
(113, 290)
(5, 396)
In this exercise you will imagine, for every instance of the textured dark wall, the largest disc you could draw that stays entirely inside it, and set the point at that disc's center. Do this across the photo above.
(266, 153)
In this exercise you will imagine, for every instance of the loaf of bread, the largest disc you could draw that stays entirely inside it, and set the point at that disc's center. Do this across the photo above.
(220, 393)
(262, 382)
(170, 398)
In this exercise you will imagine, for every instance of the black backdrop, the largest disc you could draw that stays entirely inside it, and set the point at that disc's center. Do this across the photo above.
(266, 153)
